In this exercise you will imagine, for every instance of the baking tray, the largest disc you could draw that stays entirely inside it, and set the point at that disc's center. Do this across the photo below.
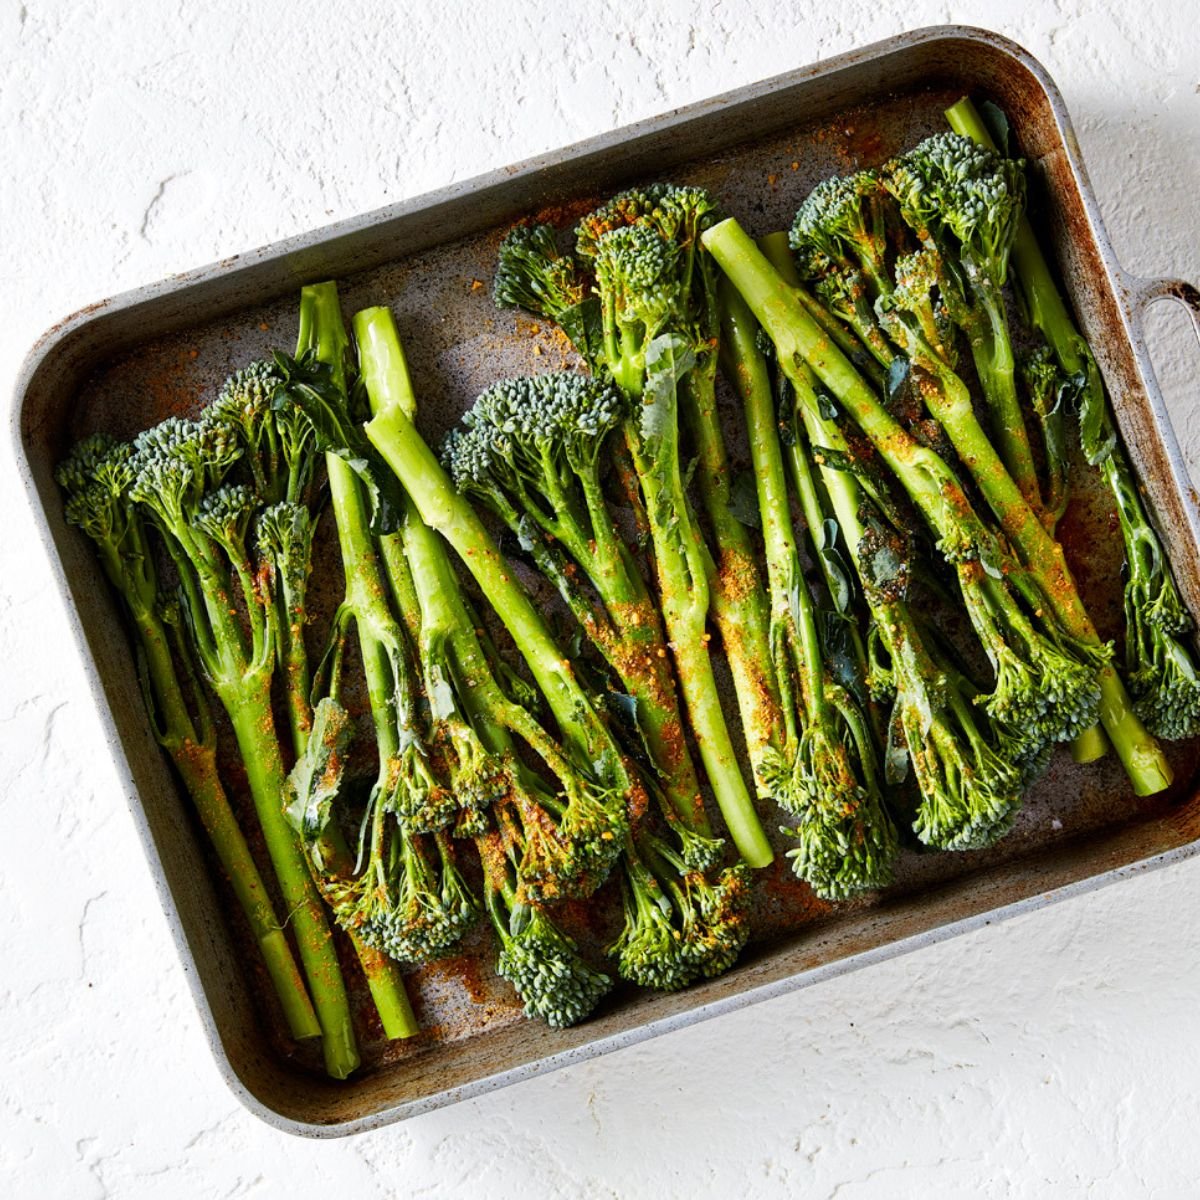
(127, 361)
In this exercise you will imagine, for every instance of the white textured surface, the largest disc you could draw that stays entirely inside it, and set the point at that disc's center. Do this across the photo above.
(1056, 1055)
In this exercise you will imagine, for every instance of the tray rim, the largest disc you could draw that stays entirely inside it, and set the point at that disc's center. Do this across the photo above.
(1125, 289)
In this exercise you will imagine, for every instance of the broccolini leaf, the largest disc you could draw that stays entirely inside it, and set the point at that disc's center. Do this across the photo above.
(897, 381)
(895, 755)
(316, 779)
(743, 500)
(668, 359)
(837, 575)
(996, 124)
(309, 385)
(583, 325)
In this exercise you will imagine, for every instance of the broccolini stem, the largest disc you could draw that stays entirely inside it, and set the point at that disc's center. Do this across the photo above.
(848, 499)
(996, 367)
(863, 352)
(792, 607)
(1047, 312)
(392, 698)
(196, 762)
(930, 482)
(292, 616)
(322, 329)
(386, 984)
(738, 601)
(441, 507)
(683, 571)
(254, 727)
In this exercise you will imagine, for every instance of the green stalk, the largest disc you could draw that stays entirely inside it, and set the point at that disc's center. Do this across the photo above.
(321, 328)
(440, 506)
(931, 483)
(193, 751)
(683, 566)
(249, 709)
(849, 500)
(112, 518)
(736, 594)
(991, 347)
(792, 609)
(683, 590)
(624, 625)
(239, 670)
(443, 509)
(1047, 312)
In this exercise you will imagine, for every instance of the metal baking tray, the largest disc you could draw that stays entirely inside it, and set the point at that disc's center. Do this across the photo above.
(125, 362)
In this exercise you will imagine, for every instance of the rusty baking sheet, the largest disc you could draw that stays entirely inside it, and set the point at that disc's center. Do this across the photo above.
(123, 364)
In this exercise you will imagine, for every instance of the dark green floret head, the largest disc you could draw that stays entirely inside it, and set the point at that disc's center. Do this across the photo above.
(535, 405)
(1052, 695)
(650, 951)
(951, 181)
(699, 853)
(80, 466)
(843, 218)
(637, 260)
(593, 826)
(224, 514)
(844, 847)
(547, 972)
(916, 277)
(182, 457)
(96, 476)
(719, 933)
(246, 395)
(468, 455)
(284, 533)
(533, 274)
(970, 792)
(625, 208)
(527, 421)
(416, 913)
(1042, 372)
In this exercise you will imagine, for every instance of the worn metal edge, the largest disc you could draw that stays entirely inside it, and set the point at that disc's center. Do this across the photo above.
(44, 348)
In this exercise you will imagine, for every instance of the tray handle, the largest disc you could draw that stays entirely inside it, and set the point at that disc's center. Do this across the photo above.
(1145, 292)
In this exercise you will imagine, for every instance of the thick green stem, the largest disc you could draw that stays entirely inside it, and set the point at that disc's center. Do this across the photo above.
(198, 769)
(996, 367)
(1048, 314)
(322, 329)
(1042, 556)
(736, 594)
(929, 480)
(792, 607)
(254, 726)
(193, 752)
(386, 984)
(683, 588)
(441, 507)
